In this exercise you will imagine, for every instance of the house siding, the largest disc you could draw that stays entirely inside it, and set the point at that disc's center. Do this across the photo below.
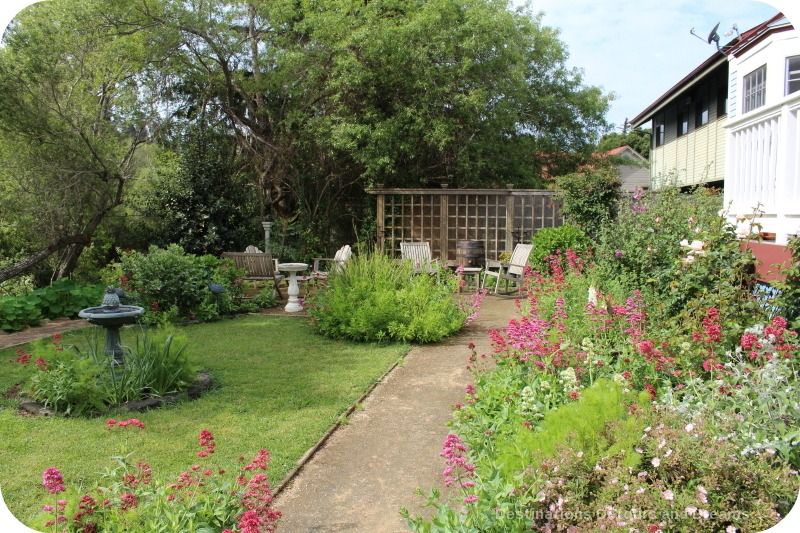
(698, 156)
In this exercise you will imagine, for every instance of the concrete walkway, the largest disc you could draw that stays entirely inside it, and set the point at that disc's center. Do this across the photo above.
(371, 467)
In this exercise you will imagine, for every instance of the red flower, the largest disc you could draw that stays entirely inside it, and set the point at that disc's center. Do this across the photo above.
(53, 481)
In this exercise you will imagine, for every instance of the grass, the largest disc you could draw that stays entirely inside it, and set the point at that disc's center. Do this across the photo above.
(281, 387)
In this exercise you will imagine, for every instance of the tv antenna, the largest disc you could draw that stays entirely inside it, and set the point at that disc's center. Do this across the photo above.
(712, 35)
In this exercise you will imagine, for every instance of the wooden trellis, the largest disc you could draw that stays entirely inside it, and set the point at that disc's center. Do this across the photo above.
(499, 217)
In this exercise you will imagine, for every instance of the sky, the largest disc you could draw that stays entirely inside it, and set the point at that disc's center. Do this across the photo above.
(636, 49)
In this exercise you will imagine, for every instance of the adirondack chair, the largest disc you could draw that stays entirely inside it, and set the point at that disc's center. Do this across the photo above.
(336, 263)
(512, 271)
(259, 266)
(419, 253)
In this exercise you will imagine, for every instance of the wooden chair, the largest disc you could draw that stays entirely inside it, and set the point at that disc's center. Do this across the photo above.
(512, 271)
(336, 263)
(259, 266)
(419, 253)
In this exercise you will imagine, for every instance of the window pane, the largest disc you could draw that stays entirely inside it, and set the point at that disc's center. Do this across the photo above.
(701, 113)
(754, 89)
(792, 74)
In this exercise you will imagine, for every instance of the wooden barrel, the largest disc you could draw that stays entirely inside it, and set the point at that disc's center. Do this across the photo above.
(470, 253)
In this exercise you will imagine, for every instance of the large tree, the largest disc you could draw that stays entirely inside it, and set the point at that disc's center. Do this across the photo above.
(331, 96)
(324, 98)
(73, 110)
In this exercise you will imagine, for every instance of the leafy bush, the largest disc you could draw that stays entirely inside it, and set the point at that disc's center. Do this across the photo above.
(63, 298)
(590, 198)
(788, 300)
(548, 242)
(174, 285)
(678, 251)
(63, 381)
(377, 298)
(78, 380)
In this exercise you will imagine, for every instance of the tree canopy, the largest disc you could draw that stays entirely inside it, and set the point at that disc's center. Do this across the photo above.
(323, 98)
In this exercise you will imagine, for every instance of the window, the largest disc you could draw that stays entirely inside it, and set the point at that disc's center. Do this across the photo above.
(658, 131)
(701, 113)
(792, 74)
(683, 122)
(722, 101)
(754, 89)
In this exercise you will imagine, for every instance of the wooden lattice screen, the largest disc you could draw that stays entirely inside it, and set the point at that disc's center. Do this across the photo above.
(499, 217)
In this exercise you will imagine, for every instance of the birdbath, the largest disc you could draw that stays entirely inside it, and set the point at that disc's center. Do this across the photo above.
(112, 316)
(293, 305)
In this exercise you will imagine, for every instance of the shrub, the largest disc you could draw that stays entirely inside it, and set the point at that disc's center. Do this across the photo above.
(377, 298)
(548, 242)
(173, 285)
(651, 248)
(590, 198)
(79, 380)
(63, 298)
(788, 300)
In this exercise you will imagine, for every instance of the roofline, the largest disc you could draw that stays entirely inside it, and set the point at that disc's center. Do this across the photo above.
(748, 39)
(676, 90)
(757, 34)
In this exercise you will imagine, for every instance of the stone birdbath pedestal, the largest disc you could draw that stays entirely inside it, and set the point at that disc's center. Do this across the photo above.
(112, 316)
(293, 305)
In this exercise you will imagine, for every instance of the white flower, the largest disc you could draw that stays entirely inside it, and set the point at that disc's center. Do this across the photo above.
(656, 461)
(691, 510)
(592, 297)
(730, 529)
(688, 260)
(668, 452)
(689, 427)
(703, 513)
(668, 495)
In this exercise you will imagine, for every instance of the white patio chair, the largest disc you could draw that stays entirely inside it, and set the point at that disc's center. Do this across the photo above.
(336, 263)
(419, 253)
(509, 272)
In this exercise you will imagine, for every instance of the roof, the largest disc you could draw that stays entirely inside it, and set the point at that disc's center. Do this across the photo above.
(743, 42)
(624, 151)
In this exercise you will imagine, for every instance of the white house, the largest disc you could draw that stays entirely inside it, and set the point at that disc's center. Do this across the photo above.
(763, 127)
(734, 122)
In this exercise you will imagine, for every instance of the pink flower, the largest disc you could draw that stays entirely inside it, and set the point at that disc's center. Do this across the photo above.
(471, 499)
(656, 462)
(53, 481)
(668, 495)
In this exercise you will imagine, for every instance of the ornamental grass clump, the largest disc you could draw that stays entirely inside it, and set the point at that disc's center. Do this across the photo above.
(131, 498)
(376, 298)
(81, 380)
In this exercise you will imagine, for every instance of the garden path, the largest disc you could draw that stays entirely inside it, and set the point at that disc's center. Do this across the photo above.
(371, 466)
(46, 329)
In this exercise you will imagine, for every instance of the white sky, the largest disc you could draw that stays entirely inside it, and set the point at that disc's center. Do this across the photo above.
(635, 48)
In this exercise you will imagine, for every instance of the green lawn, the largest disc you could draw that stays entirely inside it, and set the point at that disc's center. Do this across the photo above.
(280, 387)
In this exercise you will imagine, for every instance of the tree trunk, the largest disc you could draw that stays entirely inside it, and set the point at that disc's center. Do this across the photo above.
(37, 257)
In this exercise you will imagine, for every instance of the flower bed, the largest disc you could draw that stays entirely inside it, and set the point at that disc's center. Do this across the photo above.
(605, 407)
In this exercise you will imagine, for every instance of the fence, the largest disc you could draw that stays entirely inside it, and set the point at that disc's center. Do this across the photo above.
(500, 218)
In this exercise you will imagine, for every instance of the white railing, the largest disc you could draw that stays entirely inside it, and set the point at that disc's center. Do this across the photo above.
(763, 168)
